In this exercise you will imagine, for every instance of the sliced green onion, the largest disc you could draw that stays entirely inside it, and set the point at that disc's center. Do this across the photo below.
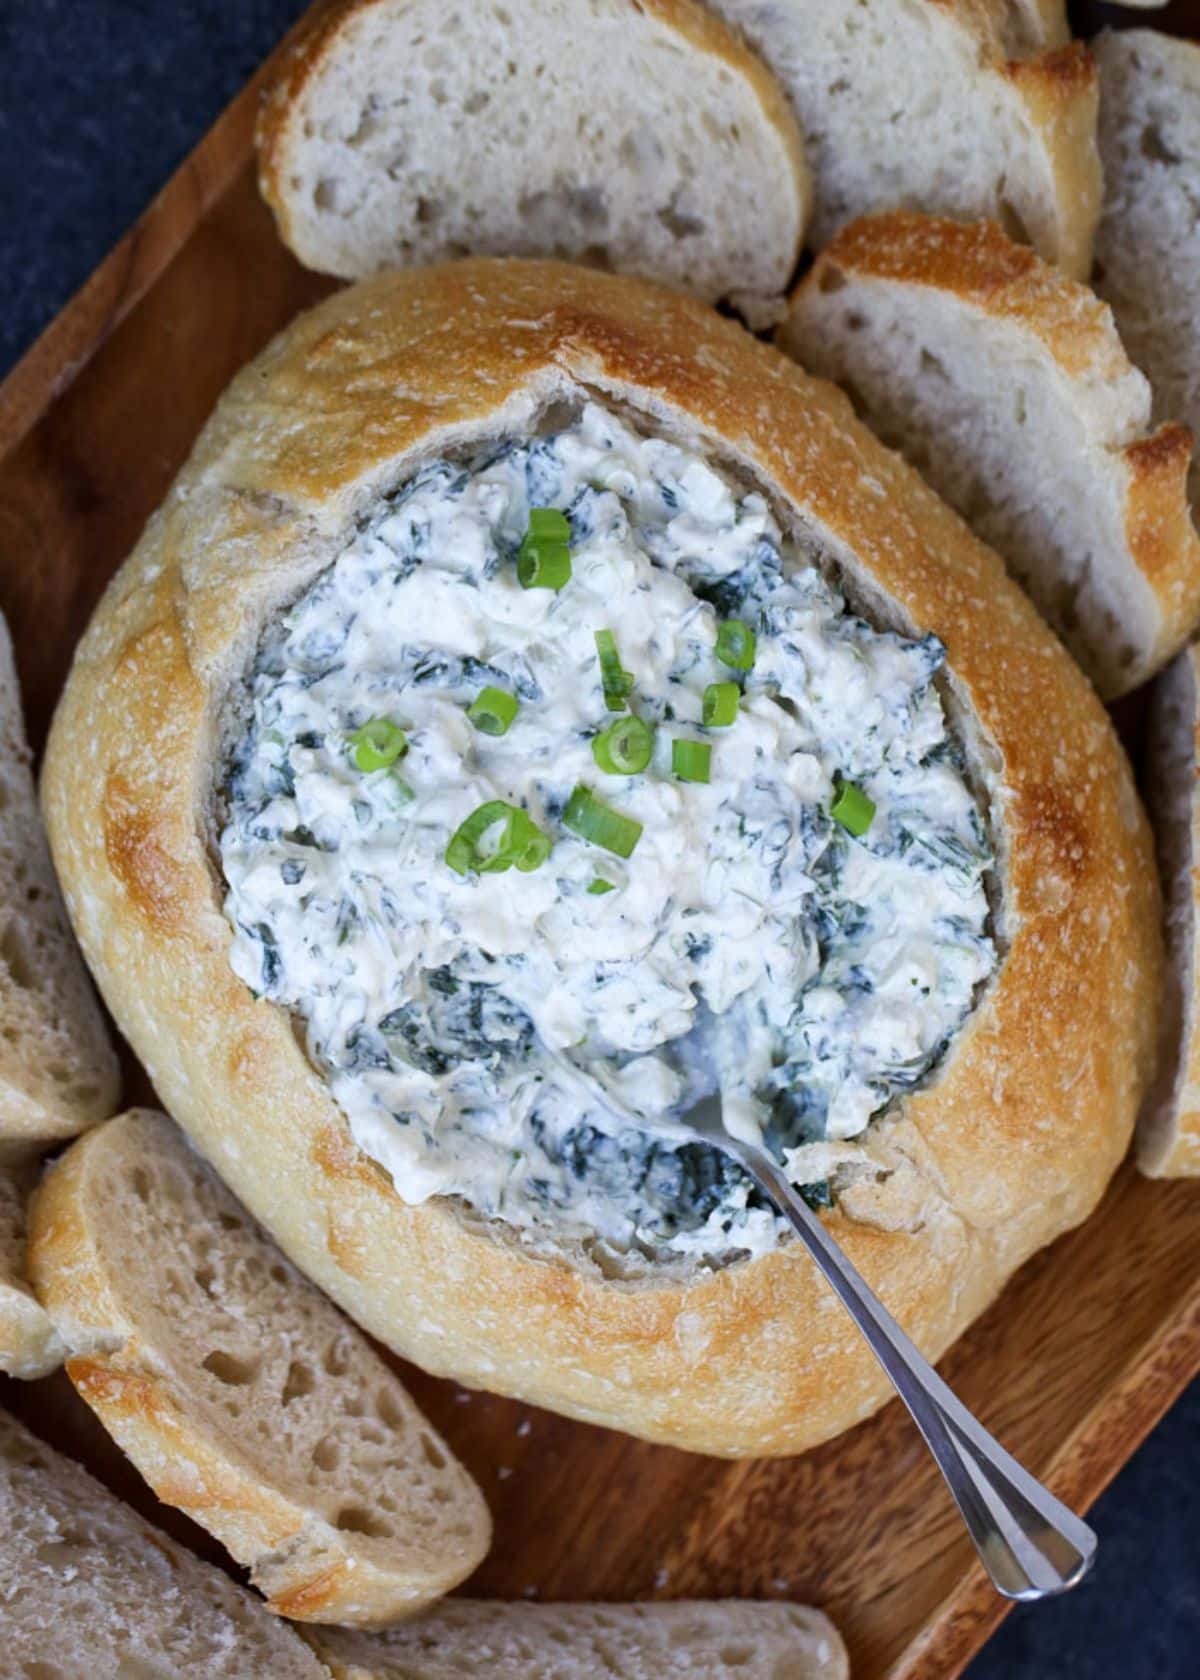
(625, 747)
(598, 823)
(720, 705)
(403, 790)
(852, 808)
(550, 524)
(618, 683)
(527, 845)
(691, 760)
(378, 744)
(544, 557)
(493, 710)
(600, 885)
(736, 644)
(520, 841)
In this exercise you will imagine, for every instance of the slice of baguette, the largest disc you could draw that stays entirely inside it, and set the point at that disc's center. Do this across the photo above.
(939, 105)
(88, 1589)
(239, 1391)
(58, 1073)
(1148, 244)
(724, 1640)
(1169, 1130)
(643, 138)
(29, 1344)
(1006, 384)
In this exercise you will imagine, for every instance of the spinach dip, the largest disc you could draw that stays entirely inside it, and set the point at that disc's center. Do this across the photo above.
(801, 916)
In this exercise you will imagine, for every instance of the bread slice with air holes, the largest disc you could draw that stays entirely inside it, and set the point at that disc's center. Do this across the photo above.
(1169, 1129)
(87, 1588)
(239, 1391)
(722, 1640)
(644, 138)
(966, 108)
(58, 1073)
(29, 1344)
(1148, 243)
(1007, 385)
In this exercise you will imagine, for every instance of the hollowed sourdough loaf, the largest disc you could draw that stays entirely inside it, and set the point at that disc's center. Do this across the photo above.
(1014, 1140)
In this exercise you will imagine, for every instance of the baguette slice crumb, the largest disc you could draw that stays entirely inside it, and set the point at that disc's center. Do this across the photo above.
(1169, 1130)
(965, 108)
(240, 1393)
(1006, 384)
(1148, 243)
(58, 1073)
(643, 138)
(723, 1640)
(29, 1343)
(87, 1588)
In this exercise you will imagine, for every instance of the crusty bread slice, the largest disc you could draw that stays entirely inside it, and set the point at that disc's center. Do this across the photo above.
(58, 1073)
(1169, 1131)
(641, 138)
(88, 1589)
(29, 1344)
(940, 105)
(239, 1391)
(1007, 385)
(724, 1640)
(1148, 243)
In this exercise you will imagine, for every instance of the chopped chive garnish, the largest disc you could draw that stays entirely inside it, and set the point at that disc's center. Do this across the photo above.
(852, 808)
(493, 710)
(618, 683)
(691, 760)
(736, 644)
(600, 885)
(403, 790)
(598, 823)
(519, 842)
(720, 705)
(625, 747)
(378, 744)
(544, 557)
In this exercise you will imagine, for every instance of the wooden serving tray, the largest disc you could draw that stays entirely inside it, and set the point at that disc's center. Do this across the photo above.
(1072, 1367)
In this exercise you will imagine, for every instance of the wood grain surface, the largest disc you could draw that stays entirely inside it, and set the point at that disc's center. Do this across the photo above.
(1076, 1362)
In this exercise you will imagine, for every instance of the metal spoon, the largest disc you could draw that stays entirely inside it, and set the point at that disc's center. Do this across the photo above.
(1031, 1545)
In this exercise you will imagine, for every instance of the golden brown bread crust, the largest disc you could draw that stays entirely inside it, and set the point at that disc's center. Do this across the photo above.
(1011, 1145)
(242, 1473)
(1060, 91)
(981, 268)
(318, 39)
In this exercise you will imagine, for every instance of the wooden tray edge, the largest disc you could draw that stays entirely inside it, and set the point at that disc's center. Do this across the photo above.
(1120, 1421)
(1100, 1445)
(136, 261)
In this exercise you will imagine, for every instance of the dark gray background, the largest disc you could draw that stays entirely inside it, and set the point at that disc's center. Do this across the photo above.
(99, 100)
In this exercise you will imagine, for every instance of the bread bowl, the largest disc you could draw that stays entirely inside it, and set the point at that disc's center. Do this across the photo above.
(1006, 1140)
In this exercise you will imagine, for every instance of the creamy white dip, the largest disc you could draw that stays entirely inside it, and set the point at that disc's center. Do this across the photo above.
(439, 1006)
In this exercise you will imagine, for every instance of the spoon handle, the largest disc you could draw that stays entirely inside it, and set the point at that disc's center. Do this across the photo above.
(1031, 1545)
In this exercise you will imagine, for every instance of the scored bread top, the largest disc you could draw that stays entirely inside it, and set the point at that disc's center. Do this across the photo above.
(967, 108)
(89, 1588)
(29, 1345)
(1007, 384)
(240, 1393)
(58, 1072)
(1033, 1107)
(642, 138)
(723, 1640)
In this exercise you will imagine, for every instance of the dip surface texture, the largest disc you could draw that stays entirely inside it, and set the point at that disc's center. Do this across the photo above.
(749, 939)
